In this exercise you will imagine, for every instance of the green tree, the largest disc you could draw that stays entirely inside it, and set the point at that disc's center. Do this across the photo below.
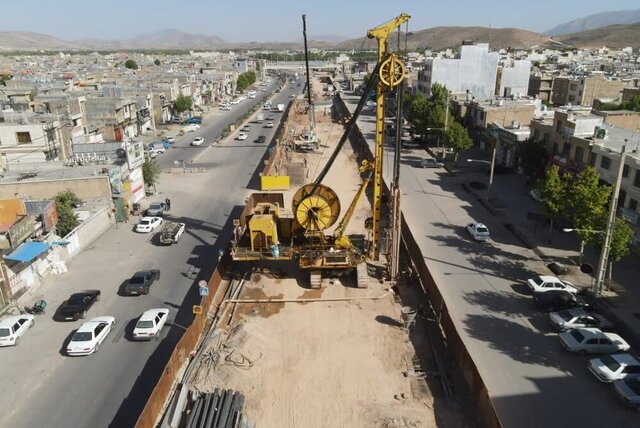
(417, 112)
(553, 191)
(150, 173)
(586, 202)
(182, 104)
(67, 220)
(457, 137)
(242, 83)
(533, 159)
(621, 237)
(131, 64)
(156, 62)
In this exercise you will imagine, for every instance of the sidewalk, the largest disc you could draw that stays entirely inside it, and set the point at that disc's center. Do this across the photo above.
(509, 199)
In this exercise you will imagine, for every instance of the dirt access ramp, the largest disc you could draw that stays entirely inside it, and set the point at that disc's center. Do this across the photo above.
(319, 364)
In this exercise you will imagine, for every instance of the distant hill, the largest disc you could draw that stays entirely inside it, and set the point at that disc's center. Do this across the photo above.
(615, 36)
(450, 37)
(162, 39)
(26, 40)
(598, 20)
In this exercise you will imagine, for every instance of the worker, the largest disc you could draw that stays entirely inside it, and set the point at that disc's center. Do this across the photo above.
(167, 203)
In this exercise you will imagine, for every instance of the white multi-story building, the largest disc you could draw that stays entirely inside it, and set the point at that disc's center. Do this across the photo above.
(514, 78)
(474, 72)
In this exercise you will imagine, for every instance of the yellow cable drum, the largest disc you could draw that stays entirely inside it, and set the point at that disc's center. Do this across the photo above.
(318, 211)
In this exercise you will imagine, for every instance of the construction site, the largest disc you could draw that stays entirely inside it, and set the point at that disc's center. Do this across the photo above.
(315, 317)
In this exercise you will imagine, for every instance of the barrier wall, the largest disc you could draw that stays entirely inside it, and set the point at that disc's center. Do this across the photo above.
(484, 412)
(181, 354)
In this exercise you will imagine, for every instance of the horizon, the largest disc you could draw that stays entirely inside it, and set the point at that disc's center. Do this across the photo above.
(270, 23)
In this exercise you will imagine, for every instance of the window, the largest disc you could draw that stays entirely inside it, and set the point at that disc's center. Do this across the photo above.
(625, 171)
(633, 204)
(605, 162)
(559, 126)
(555, 148)
(579, 156)
(592, 160)
(566, 149)
(636, 179)
(23, 137)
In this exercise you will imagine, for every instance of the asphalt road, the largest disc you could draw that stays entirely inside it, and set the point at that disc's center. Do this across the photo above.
(531, 379)
(40, 386)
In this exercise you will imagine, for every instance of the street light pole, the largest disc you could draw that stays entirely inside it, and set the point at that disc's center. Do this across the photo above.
(493, 163)
(606, 246)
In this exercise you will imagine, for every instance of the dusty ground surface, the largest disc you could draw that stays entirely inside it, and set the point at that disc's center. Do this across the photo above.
(320, 364)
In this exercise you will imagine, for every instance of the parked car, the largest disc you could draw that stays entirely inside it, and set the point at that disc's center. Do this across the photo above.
(242, 136)
(609, 368)
(176, 119)
(261, 139)
(409, 144)
(193, 120)
(77, 305)
(246, 128)
(429, 163)
(592, 341)
(14, 327)
(140, 282)
(535, 195)
(628, 390)
(557, 300)
(171, 232)
(150, 324)
(546, 283)
(225, 107)
(87, 339)
(198, 141)
(478, 231)
(170, 140)
(156, 209)
(148, 224)
(578, 318)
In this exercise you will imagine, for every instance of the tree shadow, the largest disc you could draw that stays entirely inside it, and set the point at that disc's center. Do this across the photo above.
(383, 319)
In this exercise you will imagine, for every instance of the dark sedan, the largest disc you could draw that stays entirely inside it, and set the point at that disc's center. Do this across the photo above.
(261, 139)
(140, 282)
(557, 300)
(77, 305)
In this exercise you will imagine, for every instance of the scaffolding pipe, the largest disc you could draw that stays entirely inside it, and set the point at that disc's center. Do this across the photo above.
(328, 299)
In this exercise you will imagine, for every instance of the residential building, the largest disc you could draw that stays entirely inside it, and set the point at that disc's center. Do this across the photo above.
(584, 90)
(512, 79)
(113, 117)
(473, 72)
(540, 86)
(27, 138)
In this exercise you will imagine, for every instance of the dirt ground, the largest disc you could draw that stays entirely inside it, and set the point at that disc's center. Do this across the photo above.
(319, 364)
(346, 363)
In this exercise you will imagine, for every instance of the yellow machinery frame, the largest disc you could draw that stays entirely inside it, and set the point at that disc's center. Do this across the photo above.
(391, 74)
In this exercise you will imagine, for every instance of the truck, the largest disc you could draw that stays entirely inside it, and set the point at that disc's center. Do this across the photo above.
(280, 107)
(260, 118)
(171, 232)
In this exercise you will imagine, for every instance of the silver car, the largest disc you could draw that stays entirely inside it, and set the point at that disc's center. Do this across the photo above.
(578, 318)
(629, 391)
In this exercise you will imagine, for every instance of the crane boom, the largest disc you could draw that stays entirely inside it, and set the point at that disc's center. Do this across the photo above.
(390, 75)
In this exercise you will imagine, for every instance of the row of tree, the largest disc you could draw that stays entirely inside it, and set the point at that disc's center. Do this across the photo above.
(584, 202)
(429, 114)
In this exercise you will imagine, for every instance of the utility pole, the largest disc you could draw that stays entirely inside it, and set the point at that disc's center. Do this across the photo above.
(493, 164)
(606, 246)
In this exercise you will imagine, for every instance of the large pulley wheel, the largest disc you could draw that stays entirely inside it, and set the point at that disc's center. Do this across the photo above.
(391, 71)
(318, 211)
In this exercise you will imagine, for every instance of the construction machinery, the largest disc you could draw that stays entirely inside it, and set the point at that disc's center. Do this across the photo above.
(266, 232)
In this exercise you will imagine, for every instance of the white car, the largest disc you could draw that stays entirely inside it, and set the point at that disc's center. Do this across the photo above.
(148, 224)
(150, 324)
(269, 124)
(592, 341)
(609, 368)
(629, 391)
(197, 141)
(478, 231)
(578, 318)
(87, 339)
(242, 136)
(13, 328)
(546, 283)
(171, 140)
(226, 107)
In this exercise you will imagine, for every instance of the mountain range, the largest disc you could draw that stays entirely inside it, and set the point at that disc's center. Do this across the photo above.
(597, 20)
(616, 36)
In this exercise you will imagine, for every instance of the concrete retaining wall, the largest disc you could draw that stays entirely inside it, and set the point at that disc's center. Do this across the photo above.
(87, 232)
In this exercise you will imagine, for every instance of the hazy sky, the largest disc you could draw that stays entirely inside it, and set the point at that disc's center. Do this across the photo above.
(280, 20)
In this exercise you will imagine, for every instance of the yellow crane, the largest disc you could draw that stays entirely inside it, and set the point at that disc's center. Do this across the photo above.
(391, 73)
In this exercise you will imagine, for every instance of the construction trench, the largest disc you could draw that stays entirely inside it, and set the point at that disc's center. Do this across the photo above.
(434, 364)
